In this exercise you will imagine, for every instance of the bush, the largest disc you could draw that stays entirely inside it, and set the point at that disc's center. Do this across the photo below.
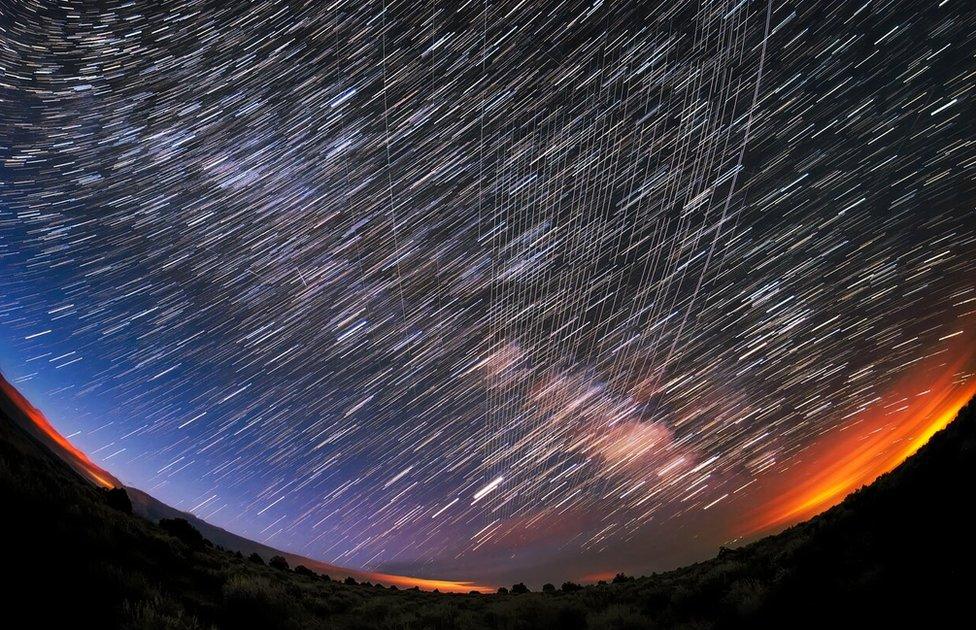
(569, 587)
(256, 559)
(180, 528)
(118, 498)
(277, 562)
(746, 597)
(156, 613)
(571, 617)
(620, 578)
(548, 588)
(251, 602)
(350, 581)
(619, 618)
(304, 570)
(520, 588)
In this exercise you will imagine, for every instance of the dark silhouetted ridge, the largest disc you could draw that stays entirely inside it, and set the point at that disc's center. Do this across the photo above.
(897, 552)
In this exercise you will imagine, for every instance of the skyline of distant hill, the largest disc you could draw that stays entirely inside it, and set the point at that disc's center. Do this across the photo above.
(25, 415)
(899, 550)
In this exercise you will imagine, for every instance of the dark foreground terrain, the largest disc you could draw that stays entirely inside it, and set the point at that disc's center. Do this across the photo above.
(898, 553)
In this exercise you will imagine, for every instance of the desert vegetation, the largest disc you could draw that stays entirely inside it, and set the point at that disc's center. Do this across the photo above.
(901, 546)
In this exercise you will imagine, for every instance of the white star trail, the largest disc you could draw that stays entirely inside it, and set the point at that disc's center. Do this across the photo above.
(406, 281)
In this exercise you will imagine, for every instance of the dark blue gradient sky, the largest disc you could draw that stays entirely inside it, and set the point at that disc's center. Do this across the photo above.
(474, 290)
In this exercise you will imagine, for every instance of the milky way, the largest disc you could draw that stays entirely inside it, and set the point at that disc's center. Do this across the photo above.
(435, 287)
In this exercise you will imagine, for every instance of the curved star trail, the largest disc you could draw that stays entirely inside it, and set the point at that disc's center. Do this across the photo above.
(461, 290)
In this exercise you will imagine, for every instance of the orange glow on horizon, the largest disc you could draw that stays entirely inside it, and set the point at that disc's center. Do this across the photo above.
(593, 578)
(873, 443)
(79, 460)
(444, 586)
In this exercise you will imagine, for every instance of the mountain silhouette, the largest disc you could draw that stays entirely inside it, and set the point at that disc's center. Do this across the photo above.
(152, 509)
(898, 552)
(21, 412)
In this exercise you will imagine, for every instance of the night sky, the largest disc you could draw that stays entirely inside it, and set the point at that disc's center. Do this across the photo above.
(483, 290)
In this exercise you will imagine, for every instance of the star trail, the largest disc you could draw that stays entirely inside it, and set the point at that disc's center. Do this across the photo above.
(484, 288)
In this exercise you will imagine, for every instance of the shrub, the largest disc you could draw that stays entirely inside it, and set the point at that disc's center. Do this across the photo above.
(569, 587)
(349, 580)
(548, 588)
(746, 596)
(301, 569)
(252, 602)
(520, 588)
(620, 578)
(118, 498)
(180, 528)
(618, 617)
(155, 613)
(256, 559)
(571, 617)
(277, 562)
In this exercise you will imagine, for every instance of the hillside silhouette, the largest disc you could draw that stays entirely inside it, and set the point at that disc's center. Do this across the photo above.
(897, 552)
(152, 509)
